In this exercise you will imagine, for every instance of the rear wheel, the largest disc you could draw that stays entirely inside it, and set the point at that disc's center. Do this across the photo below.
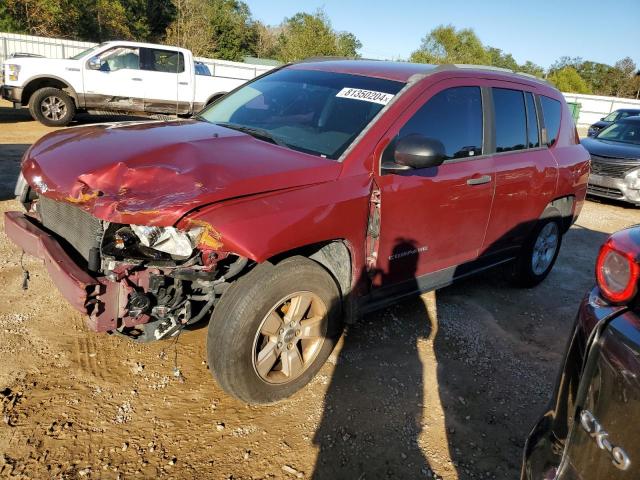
(273, 330)
(539, 254)
(52, 107)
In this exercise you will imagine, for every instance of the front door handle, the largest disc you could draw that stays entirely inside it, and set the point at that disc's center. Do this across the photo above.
(479, 180)
(136, 79)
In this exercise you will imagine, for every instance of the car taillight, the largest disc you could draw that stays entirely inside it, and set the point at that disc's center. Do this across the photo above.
(617, 270)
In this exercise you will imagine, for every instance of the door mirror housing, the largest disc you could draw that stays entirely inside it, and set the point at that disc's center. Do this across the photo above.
(414, 152)
(95, 63)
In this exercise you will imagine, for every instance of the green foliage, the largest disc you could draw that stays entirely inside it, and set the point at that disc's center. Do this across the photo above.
(567, 79)
(226, 29)
(232, 29)
(310, 35)
(445, 44)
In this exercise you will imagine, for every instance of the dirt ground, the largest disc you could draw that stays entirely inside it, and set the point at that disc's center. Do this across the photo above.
(446, 385)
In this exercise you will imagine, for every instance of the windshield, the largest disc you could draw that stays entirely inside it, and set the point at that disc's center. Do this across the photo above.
(611, 117)
(78, 56)
(312, 111)
(625, 132)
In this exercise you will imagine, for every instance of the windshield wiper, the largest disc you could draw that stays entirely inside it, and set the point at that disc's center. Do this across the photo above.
(254, 132)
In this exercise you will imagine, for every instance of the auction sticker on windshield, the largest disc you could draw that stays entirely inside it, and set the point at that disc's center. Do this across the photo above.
(365, 95)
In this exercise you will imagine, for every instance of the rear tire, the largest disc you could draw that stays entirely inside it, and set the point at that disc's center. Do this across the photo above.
(273, 329)
(539, 254)
(52, 107)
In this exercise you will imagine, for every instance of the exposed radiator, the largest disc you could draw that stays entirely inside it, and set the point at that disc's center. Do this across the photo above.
(80, 229)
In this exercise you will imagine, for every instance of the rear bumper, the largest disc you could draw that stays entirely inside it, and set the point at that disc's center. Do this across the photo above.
(13, 94)
(84, 292)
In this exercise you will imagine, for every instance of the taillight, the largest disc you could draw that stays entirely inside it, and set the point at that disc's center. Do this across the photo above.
(617, 270)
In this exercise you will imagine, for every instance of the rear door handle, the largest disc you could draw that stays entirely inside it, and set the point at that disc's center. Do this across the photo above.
(479, 180)
(136, 79)
(183, 83)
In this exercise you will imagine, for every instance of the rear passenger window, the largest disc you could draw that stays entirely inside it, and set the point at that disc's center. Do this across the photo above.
(510, 120)
(551, 113)
(532, 121)
(167, 61)
(453, 116)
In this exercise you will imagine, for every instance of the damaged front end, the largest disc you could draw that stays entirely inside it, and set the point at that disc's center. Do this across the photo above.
(143, 282)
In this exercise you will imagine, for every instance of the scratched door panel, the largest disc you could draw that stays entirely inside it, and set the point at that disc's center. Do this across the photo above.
(606, 429)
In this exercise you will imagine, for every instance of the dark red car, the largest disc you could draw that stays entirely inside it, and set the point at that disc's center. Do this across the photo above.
(306, 197)
(590, 428)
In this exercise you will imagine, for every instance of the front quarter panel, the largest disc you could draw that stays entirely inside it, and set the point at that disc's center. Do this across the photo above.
(263, 226)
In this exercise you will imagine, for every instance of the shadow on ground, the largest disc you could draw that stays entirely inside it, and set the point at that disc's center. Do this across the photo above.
(10, 155)
(453, 388)
(21, 115)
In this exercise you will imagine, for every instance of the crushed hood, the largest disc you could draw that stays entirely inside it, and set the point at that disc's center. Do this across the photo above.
(152, 173)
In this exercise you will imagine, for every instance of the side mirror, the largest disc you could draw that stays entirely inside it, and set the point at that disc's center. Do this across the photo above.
(602, 118)
(94, 63)
(416, 151)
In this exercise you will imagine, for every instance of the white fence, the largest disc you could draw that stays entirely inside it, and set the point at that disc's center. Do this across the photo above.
(11, 43)
(49, 47)
(594, 107)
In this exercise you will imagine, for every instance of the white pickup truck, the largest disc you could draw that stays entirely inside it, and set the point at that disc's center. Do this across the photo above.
(119, 76)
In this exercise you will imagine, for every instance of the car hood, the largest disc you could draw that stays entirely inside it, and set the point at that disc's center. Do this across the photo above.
(152, 173)
(607, 148)
(38, 63)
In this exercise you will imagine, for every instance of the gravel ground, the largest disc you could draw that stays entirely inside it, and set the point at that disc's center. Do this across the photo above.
(446, 385)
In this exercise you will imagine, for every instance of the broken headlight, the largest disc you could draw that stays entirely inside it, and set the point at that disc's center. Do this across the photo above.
(168, 239)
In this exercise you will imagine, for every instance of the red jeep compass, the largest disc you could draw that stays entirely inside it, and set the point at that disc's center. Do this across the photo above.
(314, 193)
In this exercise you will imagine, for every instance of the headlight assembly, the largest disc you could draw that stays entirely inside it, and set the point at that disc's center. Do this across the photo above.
(168, 239)
(14, 72)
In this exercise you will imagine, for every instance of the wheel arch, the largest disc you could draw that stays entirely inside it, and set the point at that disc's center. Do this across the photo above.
(334, 255)
(563, 207)
(43, 81)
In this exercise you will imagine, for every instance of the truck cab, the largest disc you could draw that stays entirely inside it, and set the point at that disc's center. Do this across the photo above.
(117, 76)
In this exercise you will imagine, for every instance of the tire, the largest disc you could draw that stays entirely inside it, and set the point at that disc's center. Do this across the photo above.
(52, 107)
(239, 351)
(536, 259)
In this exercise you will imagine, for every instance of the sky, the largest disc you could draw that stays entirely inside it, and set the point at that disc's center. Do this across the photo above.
(541, 31)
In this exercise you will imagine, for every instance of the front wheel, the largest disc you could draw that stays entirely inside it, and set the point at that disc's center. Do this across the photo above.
(539, 254)
(52, 107)
(273, 329)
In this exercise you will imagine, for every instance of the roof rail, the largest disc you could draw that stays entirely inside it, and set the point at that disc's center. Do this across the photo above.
(462, 66)
(323, 59)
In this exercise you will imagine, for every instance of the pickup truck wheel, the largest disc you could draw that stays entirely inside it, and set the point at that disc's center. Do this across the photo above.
(273, 329)
(539, 254)
(52, 107)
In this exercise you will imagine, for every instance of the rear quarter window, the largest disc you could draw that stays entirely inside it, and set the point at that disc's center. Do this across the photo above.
(551, 112)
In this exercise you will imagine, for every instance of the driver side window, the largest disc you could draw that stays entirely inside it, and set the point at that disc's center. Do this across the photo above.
(454, 117)
(120, 58)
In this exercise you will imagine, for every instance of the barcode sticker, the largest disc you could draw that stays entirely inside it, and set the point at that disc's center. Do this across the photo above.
(365, 95)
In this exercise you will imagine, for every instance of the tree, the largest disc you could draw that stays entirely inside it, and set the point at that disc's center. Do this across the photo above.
(43, 17)
(347, 45)
(502, 60)
(445, 44)
(309, 35)
(567, 79)
(266, 40)
(191, 27)
(233, 30)
(532, 69)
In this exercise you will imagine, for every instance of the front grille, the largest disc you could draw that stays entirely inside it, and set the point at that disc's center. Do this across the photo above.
(612, 167)
(80, 229)
(604, 191)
